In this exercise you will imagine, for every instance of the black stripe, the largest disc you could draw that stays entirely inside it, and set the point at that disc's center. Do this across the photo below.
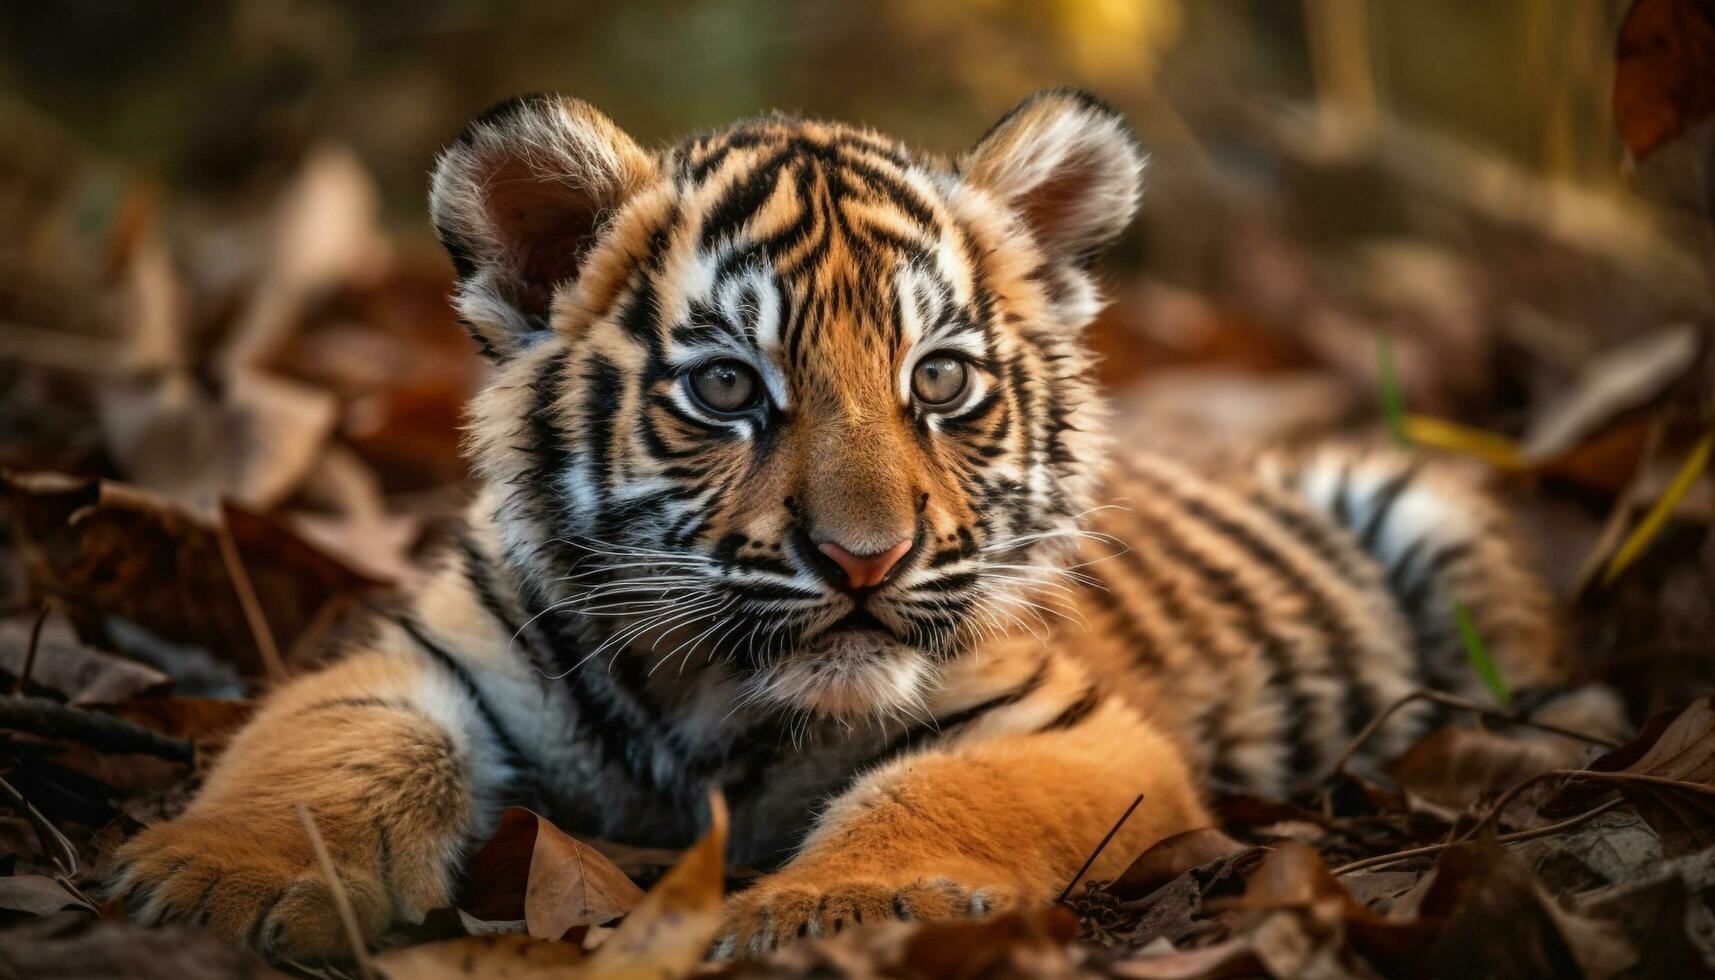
(1383, 502)
(478, 573)
(441, 655)
(1144, 649)
(1210, 720)
(1075, 712)
(1304, 756)
(1324, 612)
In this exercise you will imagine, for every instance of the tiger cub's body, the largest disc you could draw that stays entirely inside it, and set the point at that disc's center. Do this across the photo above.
(794, 483)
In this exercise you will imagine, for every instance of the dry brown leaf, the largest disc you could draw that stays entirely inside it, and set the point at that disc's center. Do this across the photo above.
(1664, 76)
(1171, 857)
(326, 232)
(204, 721)
(1294, 876)
(1028, 943)
(1491, 918)
(79, 673)
(104, 549)
(498, 957)
(253, 441)
(1615, 382)
(1481, 914)
(73, 945)
(353, 520)
(1232, 958)
(1454, 767)
(1677, 748)
(37, 895)
(532, 870)
(669, 932)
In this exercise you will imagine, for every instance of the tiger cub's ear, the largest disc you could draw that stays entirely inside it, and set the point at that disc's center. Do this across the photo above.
(518, 199)
(1068, 165)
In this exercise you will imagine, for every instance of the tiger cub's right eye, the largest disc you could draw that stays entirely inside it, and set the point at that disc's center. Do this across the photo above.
(726, 387)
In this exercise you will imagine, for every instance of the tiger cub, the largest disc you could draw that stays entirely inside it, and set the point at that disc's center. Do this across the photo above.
(793, 482)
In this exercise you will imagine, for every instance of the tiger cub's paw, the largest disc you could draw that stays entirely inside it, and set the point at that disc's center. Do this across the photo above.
(254, 882)
(781, 908)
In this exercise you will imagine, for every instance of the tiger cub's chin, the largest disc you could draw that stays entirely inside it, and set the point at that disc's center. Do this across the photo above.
(851, 673)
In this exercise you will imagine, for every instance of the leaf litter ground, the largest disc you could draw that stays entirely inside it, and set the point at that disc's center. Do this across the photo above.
(213, 474)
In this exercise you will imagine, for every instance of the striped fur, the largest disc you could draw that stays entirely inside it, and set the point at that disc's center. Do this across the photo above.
(642, 604)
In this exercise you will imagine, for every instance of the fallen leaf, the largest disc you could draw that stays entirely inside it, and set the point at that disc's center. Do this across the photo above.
(354, 522)
(497, 957)
(201, 720)
(252, 440)
(669, 932)
(1664, 72)
(79, 673)
(37, 895)
(1232, 958)
(105, 549)
(1676, 755)
(1454, 767)
(74, 945)
(1171, 857)
(1616, 381)
(1030, 942)
(1666, 918)
(1495, 921)
(326, 232)
(532, 870)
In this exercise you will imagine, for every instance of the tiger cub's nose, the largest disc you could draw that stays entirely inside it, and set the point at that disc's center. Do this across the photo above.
(865, 571)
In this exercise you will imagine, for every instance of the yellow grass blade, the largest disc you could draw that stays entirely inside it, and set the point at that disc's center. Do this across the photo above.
(1490, 447)
(1656, 519)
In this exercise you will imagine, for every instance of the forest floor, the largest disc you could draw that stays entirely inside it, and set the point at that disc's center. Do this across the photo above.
(226, 432)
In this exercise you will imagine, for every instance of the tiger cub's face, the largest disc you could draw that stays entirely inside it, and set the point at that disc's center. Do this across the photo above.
(788, 398)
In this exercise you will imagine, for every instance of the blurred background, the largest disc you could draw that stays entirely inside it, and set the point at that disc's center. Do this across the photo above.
(217, 282)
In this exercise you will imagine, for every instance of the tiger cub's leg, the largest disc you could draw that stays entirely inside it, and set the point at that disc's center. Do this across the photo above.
(979, 826)
(381, 749)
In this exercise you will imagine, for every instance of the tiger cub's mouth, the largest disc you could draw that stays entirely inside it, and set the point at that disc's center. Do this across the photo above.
(856, 621)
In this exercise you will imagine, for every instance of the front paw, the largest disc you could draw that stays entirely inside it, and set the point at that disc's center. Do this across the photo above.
(784, 907)
(255, 882)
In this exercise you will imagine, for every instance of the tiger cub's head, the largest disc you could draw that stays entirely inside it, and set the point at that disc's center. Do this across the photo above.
(788, 400)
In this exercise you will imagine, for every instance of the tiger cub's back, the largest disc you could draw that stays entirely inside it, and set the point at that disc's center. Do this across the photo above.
(1266, 612)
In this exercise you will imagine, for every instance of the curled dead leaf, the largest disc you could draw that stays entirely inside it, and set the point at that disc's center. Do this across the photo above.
(1615, 382)
(1454, 767)
(1673, 759)
(71, 669)
(669, 932)
(1664, 75)
(1171, 857)
(532, 870)
(498, 957)
(109, 550)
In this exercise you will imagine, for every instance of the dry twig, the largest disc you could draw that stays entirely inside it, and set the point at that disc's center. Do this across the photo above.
(1512, 838)
(104, 733)
(59, 849)
(1099, 848)
(341, 901)
(1451, 701)
(253, 615)
(30, 650)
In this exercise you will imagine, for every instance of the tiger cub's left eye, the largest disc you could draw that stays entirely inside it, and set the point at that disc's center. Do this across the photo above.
(726, 387)
(939, 379)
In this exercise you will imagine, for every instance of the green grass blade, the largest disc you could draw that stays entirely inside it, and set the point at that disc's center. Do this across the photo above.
(1477, 652)
(1393, 399)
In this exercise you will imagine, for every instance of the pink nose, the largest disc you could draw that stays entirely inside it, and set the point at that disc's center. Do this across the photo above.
(864, 571)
